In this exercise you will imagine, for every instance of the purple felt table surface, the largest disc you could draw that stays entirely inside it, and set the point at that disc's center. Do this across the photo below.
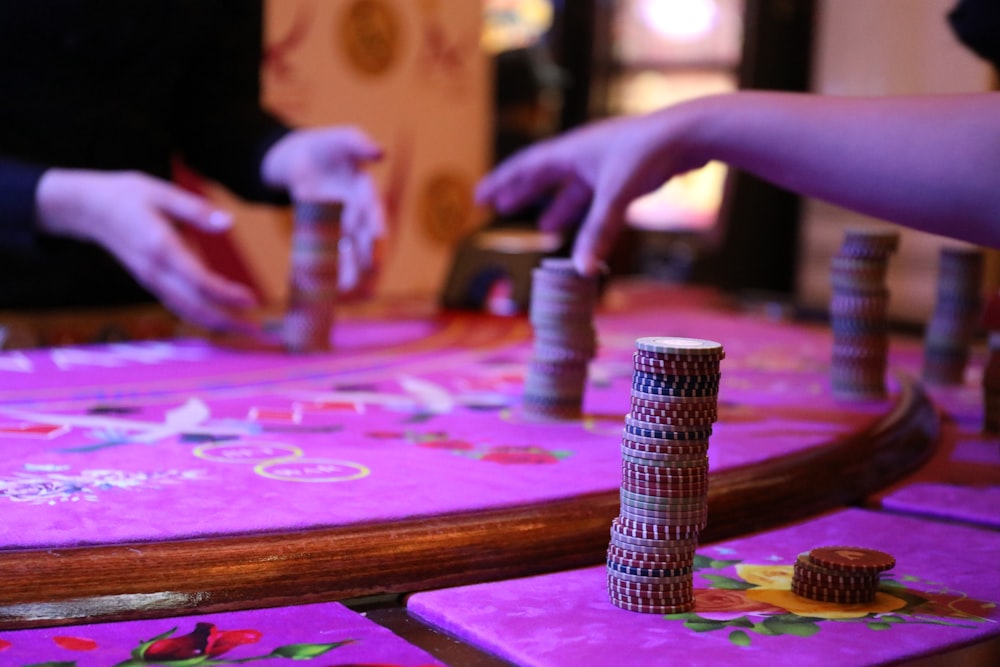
(970, 504)
(410, 418)
(319, 634)
(941, 594)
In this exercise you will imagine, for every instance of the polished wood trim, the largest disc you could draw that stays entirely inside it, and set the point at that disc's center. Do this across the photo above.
(128, 581)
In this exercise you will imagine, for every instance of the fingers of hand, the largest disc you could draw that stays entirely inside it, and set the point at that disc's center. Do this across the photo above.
(183, 206)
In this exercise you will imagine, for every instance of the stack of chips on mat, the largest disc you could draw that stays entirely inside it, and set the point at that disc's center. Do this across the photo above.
(991, 370)
(847, 575)
(562, 318)
(315, 265)
(955, 319)
(664, 489)
(859, 313)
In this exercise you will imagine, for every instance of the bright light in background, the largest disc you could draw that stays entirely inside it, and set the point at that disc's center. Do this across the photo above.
(511, 24)
(682, 20)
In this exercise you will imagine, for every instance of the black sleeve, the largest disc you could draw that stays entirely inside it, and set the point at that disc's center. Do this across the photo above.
(223, 130)
(976, 23)
(18, 182)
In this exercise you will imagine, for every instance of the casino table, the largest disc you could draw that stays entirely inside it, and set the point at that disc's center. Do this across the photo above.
(154, 478)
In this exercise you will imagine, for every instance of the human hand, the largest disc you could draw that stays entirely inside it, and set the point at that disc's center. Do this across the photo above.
(327, 163)
(132, 215)
(593, 174)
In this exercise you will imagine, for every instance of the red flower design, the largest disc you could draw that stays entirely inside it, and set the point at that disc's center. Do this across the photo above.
(205, 640)
(709, 600)
(4, 644)
(519, 454)
(75, 643)
(454, 445)
(954, 605)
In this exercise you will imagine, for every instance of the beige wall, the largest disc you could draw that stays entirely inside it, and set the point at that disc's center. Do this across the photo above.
(412, 74)
(883, 47)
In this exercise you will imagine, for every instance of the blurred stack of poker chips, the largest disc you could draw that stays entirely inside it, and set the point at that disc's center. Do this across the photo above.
(664, 489)
(954, 322)
(859, 313)
(308, 322)
(846, 575)
(991, 370)
(562, 318)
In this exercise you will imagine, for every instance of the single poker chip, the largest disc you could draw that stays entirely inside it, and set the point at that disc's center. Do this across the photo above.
(657, 533)
(671, 397)
(677, 379)
(648, 571)
(668, 435)
(627, 558)
(639, 579)
(679, 346)
(674, 527)
(656, 461)
(676, 427)
(665, 505)
(670, 393)
(855, 559)
(646, 530)
(673, 403)
(668, 486)
(677, 504)
(644, 608)
(680, 527)
(698, 471)
(643, 544)
(680, 496)
(655, 549)
(703, 420)
(678, 387)
(667, 515)
(667, 593)
(665, 461)
(667, 477)
(646, 364)
(685, 365)
(677, 448)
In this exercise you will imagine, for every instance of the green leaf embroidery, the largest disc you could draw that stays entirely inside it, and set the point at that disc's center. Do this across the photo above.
(739, 638)
(306, 651)
(878, 625)
(728, 583)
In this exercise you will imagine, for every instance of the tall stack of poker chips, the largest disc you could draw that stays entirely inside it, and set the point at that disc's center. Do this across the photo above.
(314, 274)
(847, 575)
(859, 309)
(664, 489)
(562, 318)
(953, 324)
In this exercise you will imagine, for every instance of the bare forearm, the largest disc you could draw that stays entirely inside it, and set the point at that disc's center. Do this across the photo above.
(930, 162)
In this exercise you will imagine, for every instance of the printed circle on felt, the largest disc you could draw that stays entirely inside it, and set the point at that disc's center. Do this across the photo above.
(446, 206)
(311, 470)
(369, 34)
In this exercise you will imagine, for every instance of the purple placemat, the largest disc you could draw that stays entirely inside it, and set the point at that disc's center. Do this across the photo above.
(971, 504)
(159, 441)
(940, 595)
(320, 634)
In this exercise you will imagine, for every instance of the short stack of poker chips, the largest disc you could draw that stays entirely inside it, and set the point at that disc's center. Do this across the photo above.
(664, 489)
(859, 313)
(314, 274)
(953, 324)
(562, 319)
(846, 575)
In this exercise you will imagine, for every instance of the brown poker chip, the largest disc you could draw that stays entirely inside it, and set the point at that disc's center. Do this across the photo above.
(856, 559)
